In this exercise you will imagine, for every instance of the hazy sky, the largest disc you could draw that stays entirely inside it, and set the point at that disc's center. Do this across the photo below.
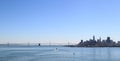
(57, 21)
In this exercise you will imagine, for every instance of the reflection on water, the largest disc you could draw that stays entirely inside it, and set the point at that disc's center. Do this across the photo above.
(59, 54)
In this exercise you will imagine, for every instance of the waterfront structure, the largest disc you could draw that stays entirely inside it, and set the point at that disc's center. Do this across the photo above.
(39, 44)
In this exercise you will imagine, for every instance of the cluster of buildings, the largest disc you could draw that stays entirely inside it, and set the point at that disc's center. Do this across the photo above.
(98, 43)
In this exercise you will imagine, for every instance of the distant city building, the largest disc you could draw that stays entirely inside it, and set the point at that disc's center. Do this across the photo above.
(93, 38)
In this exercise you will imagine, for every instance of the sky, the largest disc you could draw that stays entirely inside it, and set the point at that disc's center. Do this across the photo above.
(58, 21)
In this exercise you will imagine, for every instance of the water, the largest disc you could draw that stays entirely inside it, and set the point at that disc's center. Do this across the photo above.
(59, 54)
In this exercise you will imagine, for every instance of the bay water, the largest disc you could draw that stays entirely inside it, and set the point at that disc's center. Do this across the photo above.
(36, 53)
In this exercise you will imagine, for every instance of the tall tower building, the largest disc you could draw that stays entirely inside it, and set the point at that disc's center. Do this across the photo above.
(94, 38)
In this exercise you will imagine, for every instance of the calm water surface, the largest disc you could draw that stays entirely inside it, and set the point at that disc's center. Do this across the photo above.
(59, 54)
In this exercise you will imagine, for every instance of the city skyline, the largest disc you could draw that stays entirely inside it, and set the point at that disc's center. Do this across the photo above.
(58, 21)
(108, 42)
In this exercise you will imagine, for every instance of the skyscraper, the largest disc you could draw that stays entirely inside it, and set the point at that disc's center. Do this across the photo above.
(93, 38)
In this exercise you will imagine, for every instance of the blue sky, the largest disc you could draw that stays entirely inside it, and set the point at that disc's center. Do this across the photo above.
(58, 21)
